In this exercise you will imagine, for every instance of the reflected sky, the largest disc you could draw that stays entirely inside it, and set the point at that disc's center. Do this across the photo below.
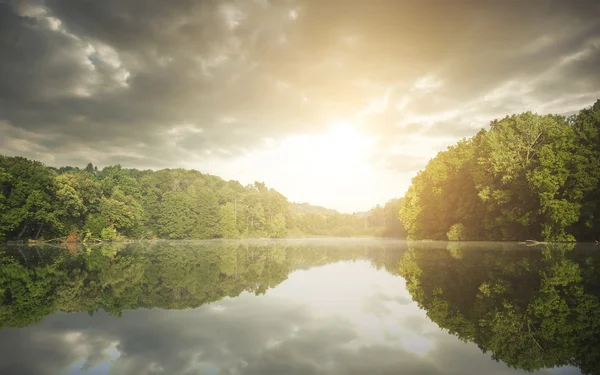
(342, 317)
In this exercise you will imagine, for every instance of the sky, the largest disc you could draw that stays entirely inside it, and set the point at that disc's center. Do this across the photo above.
(336, 103)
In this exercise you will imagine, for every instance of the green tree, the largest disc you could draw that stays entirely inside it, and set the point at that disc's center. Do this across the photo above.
(69, 205)
(89, 168)
(26, 188)
(277, 227)
(444, 195)
(122, 211)
(586, 159)
(108, 233)
(523, 171)
(177, 216)
(207, 221)
(227, 225)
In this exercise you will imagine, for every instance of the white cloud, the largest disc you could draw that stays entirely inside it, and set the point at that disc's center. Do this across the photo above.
(426, 83)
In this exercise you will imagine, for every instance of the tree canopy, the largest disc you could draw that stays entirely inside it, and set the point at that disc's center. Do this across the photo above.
(526, 177)
(39, 202)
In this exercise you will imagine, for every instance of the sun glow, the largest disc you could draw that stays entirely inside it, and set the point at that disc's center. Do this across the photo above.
(337, 157)
(331, 169)
(338, 151)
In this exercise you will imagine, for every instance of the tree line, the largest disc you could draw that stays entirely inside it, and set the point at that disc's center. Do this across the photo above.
(526, 177)
(38, 202)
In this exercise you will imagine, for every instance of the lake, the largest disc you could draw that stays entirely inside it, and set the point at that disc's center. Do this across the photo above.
(327, 306)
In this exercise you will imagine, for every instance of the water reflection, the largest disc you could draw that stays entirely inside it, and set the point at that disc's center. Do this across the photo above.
(330, 307)
(531, 309)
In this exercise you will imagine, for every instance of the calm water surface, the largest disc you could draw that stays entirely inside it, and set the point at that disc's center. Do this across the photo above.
(300, 307)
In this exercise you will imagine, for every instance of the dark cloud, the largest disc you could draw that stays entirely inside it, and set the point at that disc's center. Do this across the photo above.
(154, 83)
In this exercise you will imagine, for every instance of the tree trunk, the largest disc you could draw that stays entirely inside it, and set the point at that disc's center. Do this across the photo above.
(22, 231)
(39, 255)
(39, 230)
(23, 254)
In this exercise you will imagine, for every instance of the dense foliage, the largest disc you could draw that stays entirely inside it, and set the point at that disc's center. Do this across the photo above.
(39, 202)
(530, 309)
(527, 177)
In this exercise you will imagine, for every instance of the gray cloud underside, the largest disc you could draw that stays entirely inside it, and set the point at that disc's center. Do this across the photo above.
(152, 83)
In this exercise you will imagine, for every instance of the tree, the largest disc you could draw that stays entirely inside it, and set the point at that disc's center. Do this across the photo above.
(227, 227)
(122, 211)
(522, 175)
(456, 232)
(392, 225)
(586, 159)
(26, 197)
(177, 216)
(207, 221)
(276, 227)
(89, 168)
(69, 205)
(95, 223)
(444, 195)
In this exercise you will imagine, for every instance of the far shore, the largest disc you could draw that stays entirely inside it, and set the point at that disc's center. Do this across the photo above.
(267, 239)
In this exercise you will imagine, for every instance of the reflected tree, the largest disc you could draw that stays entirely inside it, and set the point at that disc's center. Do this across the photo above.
(531, 309)
(38, 281)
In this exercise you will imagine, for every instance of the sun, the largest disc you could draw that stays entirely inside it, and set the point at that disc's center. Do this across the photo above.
(346, 134)
(331, 169)
(343, 147)
(344, 138)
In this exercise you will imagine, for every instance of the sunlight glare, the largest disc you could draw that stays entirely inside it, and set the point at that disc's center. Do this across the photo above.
(319, 166)
(340, 151)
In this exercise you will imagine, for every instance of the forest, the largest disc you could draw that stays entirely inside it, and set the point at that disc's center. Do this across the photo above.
(527, 177)
(39, 202)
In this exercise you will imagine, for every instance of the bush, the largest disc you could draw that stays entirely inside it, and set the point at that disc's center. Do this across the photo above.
(456, 233)
(95, 223)
(72, 237)
(108, 234)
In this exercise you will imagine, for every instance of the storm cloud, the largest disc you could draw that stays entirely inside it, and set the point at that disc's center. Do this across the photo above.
(154, 83)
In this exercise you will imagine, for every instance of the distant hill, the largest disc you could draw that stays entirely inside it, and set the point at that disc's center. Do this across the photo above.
(305, 208)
